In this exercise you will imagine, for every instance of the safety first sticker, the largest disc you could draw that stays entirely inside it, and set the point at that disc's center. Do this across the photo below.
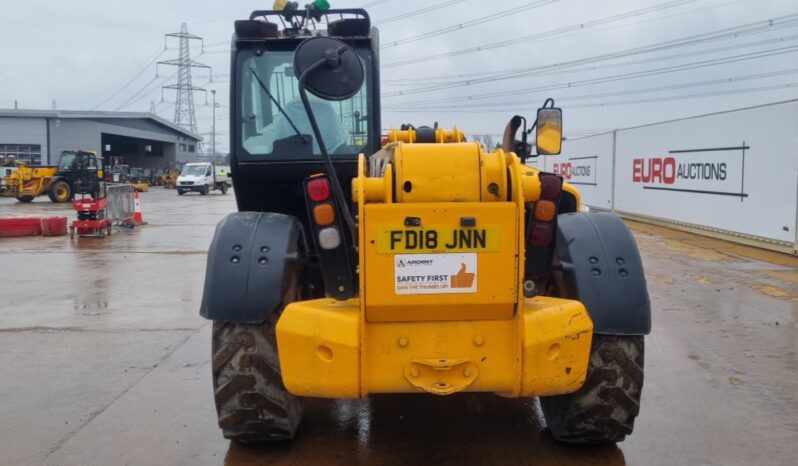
(435, 273)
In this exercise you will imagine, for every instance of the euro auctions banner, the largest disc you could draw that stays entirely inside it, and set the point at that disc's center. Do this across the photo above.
(587, 164)
(735, 171)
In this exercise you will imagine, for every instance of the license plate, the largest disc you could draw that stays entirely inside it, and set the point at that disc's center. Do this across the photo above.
(438, 239)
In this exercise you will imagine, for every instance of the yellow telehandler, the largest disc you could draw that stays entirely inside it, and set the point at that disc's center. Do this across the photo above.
(27, 182)
(431, 266)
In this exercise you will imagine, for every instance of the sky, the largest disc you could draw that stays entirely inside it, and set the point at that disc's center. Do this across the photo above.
(471, 63)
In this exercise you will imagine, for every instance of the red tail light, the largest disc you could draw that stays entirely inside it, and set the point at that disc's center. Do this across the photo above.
(550, 186)
(541, 235)
(319, 189)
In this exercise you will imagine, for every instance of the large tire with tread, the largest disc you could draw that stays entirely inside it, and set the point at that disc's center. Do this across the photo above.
(251, 400)
(605, 408)
(60, 191)
(25, 198)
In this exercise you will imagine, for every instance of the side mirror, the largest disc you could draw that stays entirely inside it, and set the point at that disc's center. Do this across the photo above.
(331, 69)
(548, 138)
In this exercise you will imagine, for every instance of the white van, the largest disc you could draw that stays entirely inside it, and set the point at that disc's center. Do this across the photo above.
(203, 177)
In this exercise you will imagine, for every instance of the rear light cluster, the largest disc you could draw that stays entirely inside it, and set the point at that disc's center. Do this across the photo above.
(543, 216)
(323, 212)
(332, 250)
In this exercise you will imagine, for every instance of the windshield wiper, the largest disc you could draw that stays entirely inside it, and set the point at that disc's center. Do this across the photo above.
(279, 107)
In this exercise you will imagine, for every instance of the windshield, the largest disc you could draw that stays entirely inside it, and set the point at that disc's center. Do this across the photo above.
(267, 131)
(67, 161)
(193, 170)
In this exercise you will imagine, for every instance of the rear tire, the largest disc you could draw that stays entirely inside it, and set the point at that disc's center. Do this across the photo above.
(605, 408)
(251, 400)
(25, 198)
(224, 188)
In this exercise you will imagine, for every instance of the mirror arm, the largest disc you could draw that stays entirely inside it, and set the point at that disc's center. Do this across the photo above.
(524, 143)
(535, 123)
(328, 163)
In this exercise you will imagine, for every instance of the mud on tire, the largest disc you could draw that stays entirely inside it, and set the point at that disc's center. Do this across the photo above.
(604, 409)
(251, 400)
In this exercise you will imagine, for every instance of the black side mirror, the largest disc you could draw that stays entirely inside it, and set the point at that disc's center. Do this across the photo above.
(331, 69)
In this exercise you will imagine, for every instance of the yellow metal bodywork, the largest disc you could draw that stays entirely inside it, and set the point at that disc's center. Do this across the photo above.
(442, 136)
(497, 272)
(29, 181)
(487, 338)
(327, 350)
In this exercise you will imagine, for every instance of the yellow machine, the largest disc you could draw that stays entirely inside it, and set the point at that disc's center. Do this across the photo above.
(141, 186)
(430, 265)
(169, 179)
(443, 309)
(58, 182)
(26, 182)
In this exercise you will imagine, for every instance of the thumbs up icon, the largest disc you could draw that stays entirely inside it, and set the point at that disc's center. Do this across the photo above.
(463, 279)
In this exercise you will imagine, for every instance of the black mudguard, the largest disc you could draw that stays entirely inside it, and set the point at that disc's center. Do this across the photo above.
(601, 267)
(251, 258)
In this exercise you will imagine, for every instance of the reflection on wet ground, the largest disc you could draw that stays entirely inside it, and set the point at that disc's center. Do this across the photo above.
(423, 429)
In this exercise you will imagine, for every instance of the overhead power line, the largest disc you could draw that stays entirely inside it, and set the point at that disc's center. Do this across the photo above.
(540, 35)
(589, 68)
(145, 90)
(749, 90)
(467, 24)
(774, 87)
(484, 106)
(375, 3)
(130, 81)
(151, 86)
(758, 27)
(420, 11)
(606, 79)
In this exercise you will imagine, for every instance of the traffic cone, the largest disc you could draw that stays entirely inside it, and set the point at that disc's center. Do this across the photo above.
(137, 217)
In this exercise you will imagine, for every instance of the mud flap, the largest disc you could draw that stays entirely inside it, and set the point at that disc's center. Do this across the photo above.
(599, 265)
(249, 261)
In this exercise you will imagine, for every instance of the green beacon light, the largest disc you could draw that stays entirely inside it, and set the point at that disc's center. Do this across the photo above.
(321, 5)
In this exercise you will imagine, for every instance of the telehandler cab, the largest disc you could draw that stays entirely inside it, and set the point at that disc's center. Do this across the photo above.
(429, 265)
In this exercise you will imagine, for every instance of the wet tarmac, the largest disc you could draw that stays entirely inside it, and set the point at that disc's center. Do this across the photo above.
(105, 361)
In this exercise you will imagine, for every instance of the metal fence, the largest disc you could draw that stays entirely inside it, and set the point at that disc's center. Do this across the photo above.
(121, 203)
